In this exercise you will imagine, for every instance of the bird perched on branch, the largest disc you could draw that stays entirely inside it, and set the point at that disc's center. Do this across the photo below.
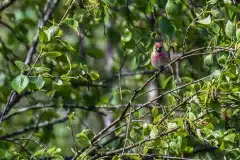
(160, 58)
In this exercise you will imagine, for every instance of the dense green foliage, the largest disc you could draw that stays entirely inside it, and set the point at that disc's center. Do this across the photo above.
(76, 80)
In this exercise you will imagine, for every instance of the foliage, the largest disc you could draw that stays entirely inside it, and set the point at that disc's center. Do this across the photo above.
(76, 79)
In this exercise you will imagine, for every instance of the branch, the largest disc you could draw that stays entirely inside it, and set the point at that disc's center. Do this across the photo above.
(51, 105)
(32, 127)
(6, 4)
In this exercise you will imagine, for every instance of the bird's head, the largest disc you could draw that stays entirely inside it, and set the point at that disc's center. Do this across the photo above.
(158, 44)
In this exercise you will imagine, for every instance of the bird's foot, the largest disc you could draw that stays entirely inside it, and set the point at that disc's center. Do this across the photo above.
(162, 68)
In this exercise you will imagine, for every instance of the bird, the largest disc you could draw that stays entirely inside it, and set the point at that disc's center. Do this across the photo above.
(159, 57)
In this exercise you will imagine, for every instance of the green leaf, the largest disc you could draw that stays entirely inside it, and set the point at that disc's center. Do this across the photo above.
(133, 156)
(22, 66)
(216, 12)
(216, 106)
(106, 15)
(116, 158)
(41, 69)
(205, 21)
(53, 151)
(213, 1)
(20, 83)
(228, 2)
(216, 74)
(9, 155)
(38, 81)
(191, 116)
(146, 129)
(58, 82)
(52, 54)
(2, 153)
(52, 32)
(230, 29)
(238, 34)
(230, 74)
(171, 8)
(39, 153)
(166, 27)
(154, 132)
(164, 144)
(83, 139)
(155, 111)
(127, 35)
(94, 75)
(222, 60)
(171, 125)
(208, 60)
(43, 37)
(72, 23)
(234, 8)
(230, 137)
(67, 45)
(57, 157)
(89, 133)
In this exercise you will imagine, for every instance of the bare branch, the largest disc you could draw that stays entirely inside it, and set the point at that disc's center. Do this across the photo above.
(32, 127)
(6, 5)
(51, 105)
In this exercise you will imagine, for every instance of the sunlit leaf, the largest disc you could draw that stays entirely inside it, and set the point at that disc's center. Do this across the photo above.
(22, 66)
(127, 35)
(83, 139)
(41, 69)
(51, 32)
(94, 75)
(230, 137)
(213, 1)
(39, 153)
(52, 54)
(238, 34)
(133, 156)
(43, 37)
(208, 60)
(205, 21)
(20, 83)
(38, 81)
(89, 133)
(230, 29)
(72, 23)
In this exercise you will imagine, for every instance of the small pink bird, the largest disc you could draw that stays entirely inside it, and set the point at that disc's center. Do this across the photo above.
(159, 57)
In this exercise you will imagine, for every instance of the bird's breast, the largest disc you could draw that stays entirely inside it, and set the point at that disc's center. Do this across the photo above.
(155, 60)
